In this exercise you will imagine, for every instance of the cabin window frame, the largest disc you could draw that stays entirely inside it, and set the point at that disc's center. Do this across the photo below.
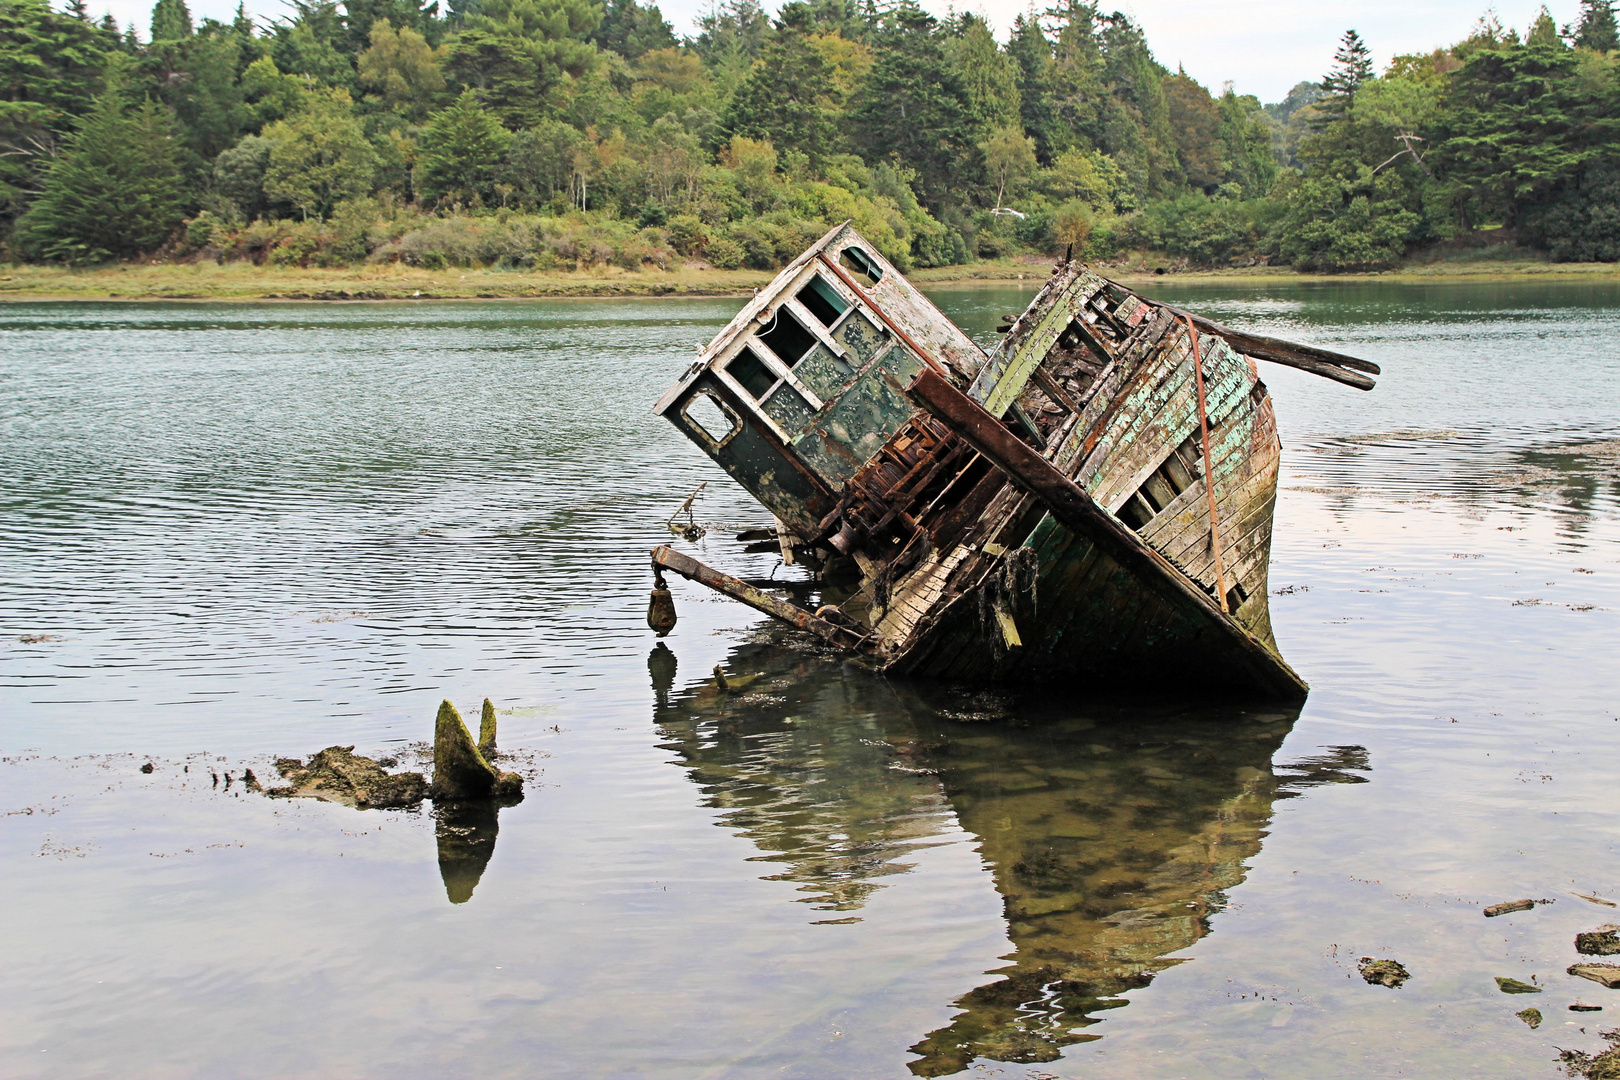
(694, 428)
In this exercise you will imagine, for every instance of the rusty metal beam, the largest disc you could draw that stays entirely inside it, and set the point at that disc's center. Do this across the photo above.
(692, 570)
(1073, 507)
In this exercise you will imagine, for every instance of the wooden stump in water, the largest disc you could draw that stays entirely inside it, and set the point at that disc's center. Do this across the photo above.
(460, 773)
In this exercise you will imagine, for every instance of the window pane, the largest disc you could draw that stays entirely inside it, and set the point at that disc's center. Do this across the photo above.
(749, 370)
(704, 411)
(786, 337)
(821, 301)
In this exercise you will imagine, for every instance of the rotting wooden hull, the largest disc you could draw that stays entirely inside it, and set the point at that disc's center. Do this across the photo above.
(1040, 513)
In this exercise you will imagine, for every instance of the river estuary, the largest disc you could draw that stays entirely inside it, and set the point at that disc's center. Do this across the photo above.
(230, 533)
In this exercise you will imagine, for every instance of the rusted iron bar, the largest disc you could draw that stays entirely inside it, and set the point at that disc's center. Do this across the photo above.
(692, 570)
(1078, 511)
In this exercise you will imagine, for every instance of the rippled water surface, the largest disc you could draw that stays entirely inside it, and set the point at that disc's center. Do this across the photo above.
(230, 533)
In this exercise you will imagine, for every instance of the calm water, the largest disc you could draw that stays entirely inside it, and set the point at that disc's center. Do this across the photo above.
(229, 533)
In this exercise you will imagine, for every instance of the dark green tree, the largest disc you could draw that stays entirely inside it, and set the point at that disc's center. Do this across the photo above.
(1352, 66)
(50, 70)
(789, 97)
(314, 43)
(912, 108)
(115, 191)
(1596, 28)
(1519, 125)
(517, 52)
(732, 30)
(1031, 53)
(632, 30)
(171, 20)
(462, 151)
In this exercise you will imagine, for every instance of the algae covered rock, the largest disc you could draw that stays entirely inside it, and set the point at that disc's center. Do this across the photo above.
(1388, 973)
(1531, 1016)
(1604, 941)
(337, 775)
(460, 772)
(1603, 974)
(486, 730)
(1514, 986)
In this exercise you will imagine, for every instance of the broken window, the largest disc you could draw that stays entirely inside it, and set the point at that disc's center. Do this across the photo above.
(751, 372)
(712, 417)
(861, 265)
(822, 301)
(788, 339)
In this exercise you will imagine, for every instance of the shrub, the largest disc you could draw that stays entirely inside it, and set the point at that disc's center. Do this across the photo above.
(724, 253)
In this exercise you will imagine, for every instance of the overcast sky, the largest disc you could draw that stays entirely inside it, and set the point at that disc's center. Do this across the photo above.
(1263, 47)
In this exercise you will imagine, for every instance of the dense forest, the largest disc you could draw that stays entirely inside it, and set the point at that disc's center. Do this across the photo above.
(572, 133)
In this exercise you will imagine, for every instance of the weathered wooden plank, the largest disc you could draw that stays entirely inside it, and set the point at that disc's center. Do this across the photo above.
(1007, 372)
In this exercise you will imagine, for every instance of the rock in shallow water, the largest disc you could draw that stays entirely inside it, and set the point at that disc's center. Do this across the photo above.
(460, 773)
(1604, 941)
(337, 775)
(1388, 973)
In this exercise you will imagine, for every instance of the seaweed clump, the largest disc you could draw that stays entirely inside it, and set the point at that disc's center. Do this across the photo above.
(1388, 973)
(338, 775)
(1604, 1066)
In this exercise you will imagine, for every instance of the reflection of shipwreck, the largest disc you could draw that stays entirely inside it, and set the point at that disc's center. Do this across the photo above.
(1112, 837)
(1037, 512)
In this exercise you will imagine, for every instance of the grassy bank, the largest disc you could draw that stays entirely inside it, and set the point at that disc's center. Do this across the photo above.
(244, 281)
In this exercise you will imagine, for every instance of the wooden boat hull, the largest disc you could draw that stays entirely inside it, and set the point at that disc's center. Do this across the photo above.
(1091, 501)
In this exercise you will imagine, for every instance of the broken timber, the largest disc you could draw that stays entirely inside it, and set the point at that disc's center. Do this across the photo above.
(1090, 499)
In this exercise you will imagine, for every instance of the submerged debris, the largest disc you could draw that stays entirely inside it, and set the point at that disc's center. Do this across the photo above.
(1603, 974)
(1388, 973)
(1581, 1006)
(1604, 941)
(1514, 986)
(147, 768)
(1531, 1016)
(1593, 898)
(460, 772)
(1604, 1066)
(337, 775)
(1508, 907)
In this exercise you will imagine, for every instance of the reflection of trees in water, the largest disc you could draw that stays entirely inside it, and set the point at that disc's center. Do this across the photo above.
(1112, 836)
(1576, 478)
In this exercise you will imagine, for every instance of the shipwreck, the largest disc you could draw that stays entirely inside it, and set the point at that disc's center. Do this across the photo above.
(1091, 500)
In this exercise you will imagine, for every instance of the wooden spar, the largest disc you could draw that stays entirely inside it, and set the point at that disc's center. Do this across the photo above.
(1323, 362)
(1075, 509)
(693, 570)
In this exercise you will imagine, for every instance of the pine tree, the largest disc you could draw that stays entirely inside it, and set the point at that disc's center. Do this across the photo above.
(1597, 29)
(461, 154)
(115, 191)
(171, 20)
(790, 97)
(1352, 66)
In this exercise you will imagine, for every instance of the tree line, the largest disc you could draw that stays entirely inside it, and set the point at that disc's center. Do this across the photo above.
(567, 133)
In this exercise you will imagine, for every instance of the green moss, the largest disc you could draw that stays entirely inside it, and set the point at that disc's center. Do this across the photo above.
(486, 730)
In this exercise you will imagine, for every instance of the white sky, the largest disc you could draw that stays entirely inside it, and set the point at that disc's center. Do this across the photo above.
(1263, 46)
